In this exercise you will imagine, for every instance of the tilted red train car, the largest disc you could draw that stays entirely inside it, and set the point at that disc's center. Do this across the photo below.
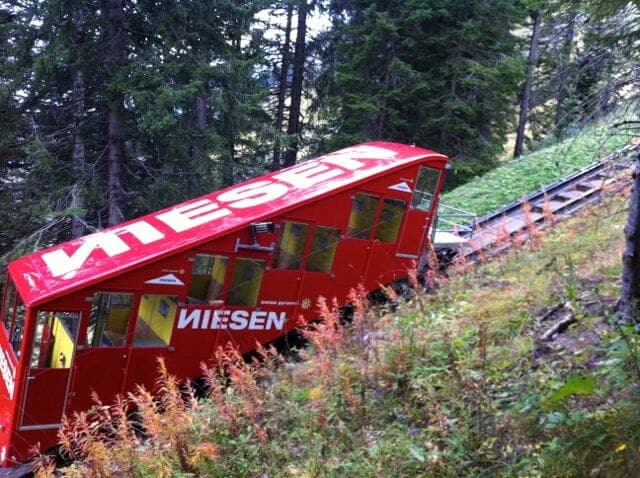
(239, 265)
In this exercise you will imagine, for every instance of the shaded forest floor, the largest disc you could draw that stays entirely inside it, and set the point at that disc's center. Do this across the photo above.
(515, 366)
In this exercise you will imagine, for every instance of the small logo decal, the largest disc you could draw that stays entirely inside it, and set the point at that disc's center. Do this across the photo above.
(403, 186)
(167, 279)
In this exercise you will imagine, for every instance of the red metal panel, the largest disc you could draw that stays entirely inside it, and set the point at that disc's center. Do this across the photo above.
(76, 264)
(315, 284)
(350, 265)
(384, 266)
(99, 370)
(10, 389)
(413, 233)
(45, 396)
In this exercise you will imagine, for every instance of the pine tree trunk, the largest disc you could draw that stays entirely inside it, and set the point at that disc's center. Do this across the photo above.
(382, 112)
(381, 120)
(79, 151)
(229, 125)
(282, 89)
(201, 112)
(293, 129)
(228, 165)
(115, 59)
(201, 106)
(562, 92)
(628, 306)
(525, 100)
(79, 155)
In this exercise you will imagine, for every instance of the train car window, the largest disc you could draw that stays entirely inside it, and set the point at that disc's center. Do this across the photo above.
(362, 215)
(8, 305)
(156, 316)
(390, 220)
(288, 253)
(17, 326)
(245, 282)
(207, 278)
(54, 341)
(425, 188)
(323, 249)
(109, 319)
(13, 316)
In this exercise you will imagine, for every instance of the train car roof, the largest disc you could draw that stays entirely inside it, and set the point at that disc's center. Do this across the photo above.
(51, 273)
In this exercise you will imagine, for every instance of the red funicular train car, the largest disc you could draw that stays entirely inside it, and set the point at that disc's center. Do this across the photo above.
(239, 265)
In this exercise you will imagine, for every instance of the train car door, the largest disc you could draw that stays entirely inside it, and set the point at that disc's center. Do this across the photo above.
(151, 338)
(319, 277)
(354, 250)
(49, 374)
(283, 278)
(419, 215)
(101, 359)
(381, 268)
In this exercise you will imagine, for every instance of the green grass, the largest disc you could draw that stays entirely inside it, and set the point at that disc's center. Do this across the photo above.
(516, 178)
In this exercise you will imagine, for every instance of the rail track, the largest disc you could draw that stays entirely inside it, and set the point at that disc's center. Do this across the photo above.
(494, 232)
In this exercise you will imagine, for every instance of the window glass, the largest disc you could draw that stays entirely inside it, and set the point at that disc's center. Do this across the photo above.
(288, 253)
(156, 316)
(8, 306)
(207, 278)
(109, 320)
(390, 220)
(13, 316)
(245, 282)
(425, 188)
(17, 327)
(323, 249)
(54, 340)
(362, 215)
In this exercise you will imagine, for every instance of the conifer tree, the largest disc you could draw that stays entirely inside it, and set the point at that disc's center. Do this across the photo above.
(299, 59)
(441, 74)
(282, 72)
(525, 99)
(129, 107)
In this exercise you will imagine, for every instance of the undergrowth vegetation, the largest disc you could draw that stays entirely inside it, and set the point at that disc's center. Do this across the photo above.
(461, 380)
(519, 177)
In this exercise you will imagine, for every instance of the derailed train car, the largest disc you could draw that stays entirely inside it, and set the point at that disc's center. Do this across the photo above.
(240, 265)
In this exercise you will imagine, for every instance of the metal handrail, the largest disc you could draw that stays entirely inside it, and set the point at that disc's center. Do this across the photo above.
(444, 216)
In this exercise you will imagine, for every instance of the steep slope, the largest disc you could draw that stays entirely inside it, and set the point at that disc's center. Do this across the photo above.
(512, 367)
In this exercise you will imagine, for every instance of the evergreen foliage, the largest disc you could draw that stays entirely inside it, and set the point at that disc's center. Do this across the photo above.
(431, 73)
(184, 94)
(12, 132)
(583, 71)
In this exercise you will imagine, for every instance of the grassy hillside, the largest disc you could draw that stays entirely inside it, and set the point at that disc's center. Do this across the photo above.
(530, 172)
(456, 382)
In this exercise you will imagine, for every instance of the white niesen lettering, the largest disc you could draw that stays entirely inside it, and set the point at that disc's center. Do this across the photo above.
(343, 161)
(221, 319)
(187, 217)
(61, 264)
(253, 194)
(308, 174)
(8, 373)
(239, 320)
(347, 158)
